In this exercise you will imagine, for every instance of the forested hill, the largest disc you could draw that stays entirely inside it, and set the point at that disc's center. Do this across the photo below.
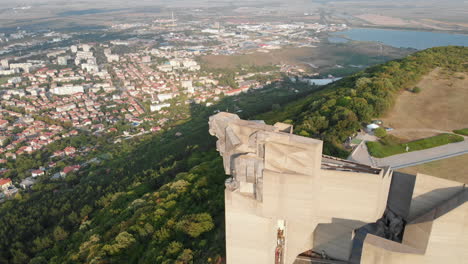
(160, 198)
(338, 111)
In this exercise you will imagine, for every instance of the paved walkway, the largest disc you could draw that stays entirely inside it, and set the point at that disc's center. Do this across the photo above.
(421, 130)
(361, 155)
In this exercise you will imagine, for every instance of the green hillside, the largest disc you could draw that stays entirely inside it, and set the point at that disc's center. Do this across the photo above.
(160, 199)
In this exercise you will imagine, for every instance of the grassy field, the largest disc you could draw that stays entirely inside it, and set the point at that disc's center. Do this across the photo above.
(390, 145)
(441, 105)
(461, 131)
(455, 169)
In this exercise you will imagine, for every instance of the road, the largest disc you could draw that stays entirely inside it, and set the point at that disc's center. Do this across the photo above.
(410, 159)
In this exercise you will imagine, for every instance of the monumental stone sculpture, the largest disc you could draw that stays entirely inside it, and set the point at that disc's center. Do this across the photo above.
(286, 202)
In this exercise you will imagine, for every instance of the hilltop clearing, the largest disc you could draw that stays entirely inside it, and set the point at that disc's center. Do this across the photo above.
(440, 106)
(337, 112)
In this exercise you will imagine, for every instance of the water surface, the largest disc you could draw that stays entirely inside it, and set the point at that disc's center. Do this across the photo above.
(401, 38)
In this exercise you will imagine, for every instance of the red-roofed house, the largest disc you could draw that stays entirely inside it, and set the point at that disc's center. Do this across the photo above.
(155, 129)
(36, 173)
(24, 149)
(69, 169)
(3, 123)
(58, 153)
(10, 155)
(69, 150)
(5, 183)
(233, 92)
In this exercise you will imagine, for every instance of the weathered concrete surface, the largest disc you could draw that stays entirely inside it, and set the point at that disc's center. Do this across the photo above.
(284, 198)
(278, 176)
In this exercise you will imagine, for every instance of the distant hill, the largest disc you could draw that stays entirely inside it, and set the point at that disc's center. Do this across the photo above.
(160, 198)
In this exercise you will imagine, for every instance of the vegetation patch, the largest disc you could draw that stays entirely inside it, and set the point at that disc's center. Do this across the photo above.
(461, 131)
(337, 111)
(416, 90)
(160, 198)
(380, 132)
(4, 80)
(391, 145)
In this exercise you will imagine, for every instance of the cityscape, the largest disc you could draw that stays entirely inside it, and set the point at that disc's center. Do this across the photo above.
(221, 132)
(126, 88)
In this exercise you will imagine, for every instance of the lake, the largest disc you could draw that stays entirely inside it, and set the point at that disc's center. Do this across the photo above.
(401, 38)
(93, 11)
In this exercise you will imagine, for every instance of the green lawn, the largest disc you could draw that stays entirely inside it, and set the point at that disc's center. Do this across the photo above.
(390, 146)
(462, 132)
(4, 80)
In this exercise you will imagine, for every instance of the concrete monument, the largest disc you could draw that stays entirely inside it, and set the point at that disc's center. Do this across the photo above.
(287, 203)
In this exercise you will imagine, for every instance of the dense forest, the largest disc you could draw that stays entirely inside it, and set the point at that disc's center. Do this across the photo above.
(159, 199)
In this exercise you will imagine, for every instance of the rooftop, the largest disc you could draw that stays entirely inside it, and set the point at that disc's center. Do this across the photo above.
(332, 163)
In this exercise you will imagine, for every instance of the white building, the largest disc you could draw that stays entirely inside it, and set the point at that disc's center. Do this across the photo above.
(158, 107)
(112, 57)
(62, 60)
(90, 67)
(64, 108)
(189, 63)
(165, 97)
(5, 64)
(67, 90)
(211, 31)
(165, 68)
(9, 72)
(175, 63)
(21, 66)
(321, 82)
(146, 59)
(372, 127)
(14, 80)
(155, 52)
(186, 84)
(86, 47)
(83, 55)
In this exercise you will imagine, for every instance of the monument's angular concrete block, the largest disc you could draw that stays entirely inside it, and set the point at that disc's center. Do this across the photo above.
(288, 203)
